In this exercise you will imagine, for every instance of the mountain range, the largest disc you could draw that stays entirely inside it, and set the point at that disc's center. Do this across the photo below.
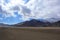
(34, 23)
(38, 23)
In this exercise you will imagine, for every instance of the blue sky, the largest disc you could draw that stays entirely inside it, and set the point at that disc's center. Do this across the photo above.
(16, 11)
(7, 1)
(11, 20)
(26, 1)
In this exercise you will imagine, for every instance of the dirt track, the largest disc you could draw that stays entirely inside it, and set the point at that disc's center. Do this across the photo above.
(29, 34)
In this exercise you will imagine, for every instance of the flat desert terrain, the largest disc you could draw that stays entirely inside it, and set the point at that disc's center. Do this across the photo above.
(29, 33)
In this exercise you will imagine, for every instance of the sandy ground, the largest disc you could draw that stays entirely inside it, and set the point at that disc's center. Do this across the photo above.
(29, 33)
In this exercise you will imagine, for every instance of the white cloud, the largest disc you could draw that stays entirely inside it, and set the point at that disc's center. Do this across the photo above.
(35, 9)
(46, 9)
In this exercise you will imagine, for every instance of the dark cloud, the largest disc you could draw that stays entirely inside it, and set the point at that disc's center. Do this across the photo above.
(15, 8)
(1, 10)
(26, 10)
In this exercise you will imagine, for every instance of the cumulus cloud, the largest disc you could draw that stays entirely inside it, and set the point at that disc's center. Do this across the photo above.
(35, 9)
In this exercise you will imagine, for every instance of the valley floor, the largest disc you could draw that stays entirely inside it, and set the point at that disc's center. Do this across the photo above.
(30, 33)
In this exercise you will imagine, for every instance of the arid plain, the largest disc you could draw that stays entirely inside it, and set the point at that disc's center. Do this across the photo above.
(29, 33)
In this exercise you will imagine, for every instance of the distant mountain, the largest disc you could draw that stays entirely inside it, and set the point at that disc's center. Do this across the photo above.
(33, 23)
(1, 24)
(56, 24)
